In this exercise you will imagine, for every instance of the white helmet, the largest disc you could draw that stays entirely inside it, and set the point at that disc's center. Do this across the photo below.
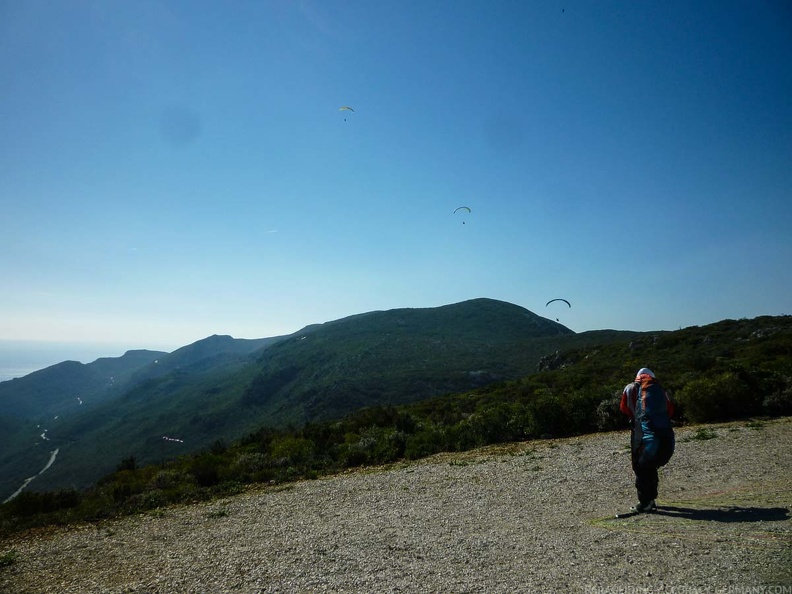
(644, 371)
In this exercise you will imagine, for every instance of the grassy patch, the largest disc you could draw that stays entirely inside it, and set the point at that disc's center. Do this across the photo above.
(8, 558)
(702, 434)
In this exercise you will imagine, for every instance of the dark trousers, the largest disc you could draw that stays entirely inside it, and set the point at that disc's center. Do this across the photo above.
(650, 451)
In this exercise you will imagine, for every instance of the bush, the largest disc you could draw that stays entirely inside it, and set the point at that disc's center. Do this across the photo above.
(148, 500)
(218, 447)
(722, 397)
(206, 470)
(29, 503)
(165, 479)
(291, 450)
(246, 466)
(779, 403)
(563, 413)
(127, 464)
(608, 417)
(422, 444)
(374, 445)
(9, 558)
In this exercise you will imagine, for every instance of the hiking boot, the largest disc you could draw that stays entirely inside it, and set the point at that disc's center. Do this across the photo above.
(642, 508)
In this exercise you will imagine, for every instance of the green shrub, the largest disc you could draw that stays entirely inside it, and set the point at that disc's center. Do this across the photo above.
(129, 463)
(122, 492)
(165, 479)
(8, 558)
(703, 434)
(563, 413)
(29, 503)
(218, 447)
(721, 397)
(206, 470)
(247, 465)
(148, 500)
(291, 450)
(608, 417)
(422, 444)
(779, 401)
(373, 445)
(547, 413)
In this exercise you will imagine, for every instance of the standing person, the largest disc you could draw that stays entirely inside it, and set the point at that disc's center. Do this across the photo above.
(652, 437)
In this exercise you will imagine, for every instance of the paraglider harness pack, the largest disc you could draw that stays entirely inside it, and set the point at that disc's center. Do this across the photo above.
(650, 406)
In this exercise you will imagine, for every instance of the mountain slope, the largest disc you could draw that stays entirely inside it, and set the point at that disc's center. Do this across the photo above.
(399, 356)
(69, 385)
(722, 371)
(52, 391)
(323, 371)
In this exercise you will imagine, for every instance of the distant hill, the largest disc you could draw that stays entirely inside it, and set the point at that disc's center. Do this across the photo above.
(220, 388)
(399, 356)
(202, 355)
(58, 388)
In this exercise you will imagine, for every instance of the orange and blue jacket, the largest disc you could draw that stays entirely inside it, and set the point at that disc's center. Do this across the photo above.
(648, 403)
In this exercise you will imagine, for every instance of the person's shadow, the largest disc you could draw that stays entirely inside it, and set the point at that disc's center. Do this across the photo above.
(733, 513)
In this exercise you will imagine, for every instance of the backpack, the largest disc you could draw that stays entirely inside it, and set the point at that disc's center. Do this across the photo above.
(651, 408)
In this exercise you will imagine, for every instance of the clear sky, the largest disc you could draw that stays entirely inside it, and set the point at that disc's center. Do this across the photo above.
(172, 170)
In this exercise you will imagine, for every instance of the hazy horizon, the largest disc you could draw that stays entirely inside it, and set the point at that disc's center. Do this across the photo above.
(22, 357)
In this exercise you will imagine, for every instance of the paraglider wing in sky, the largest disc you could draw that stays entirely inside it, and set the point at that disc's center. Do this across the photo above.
(564, 300)
(462, 208)
(346, 108)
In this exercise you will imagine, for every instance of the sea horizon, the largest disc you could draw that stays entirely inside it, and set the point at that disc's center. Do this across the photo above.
(19, 358)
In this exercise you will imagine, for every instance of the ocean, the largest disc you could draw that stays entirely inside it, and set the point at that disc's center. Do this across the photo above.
(22, 357)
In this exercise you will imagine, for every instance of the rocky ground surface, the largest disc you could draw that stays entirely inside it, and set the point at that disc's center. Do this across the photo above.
(530, 517)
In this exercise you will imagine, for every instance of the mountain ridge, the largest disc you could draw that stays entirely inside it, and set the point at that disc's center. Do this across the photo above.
(728, 370)
(221, 387)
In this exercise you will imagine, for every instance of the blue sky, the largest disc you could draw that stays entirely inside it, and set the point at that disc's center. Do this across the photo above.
(172, 170)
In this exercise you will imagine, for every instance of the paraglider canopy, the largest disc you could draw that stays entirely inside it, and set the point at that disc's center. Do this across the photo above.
(462, 208)
(346, 108)
(564, 300)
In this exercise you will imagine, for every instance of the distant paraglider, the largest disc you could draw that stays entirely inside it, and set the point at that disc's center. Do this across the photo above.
(346, 108)
(564, 300)
(463, 208)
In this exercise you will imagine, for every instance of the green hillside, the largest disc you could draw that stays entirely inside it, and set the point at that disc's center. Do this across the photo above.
(399, 356)
(61, 388)
(728, 370)
(378, 386)
(223, 388)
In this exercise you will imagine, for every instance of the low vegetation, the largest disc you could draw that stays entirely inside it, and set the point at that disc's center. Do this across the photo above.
(8, 558)
(730, 370)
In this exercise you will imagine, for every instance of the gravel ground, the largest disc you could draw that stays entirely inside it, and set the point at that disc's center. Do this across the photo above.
(528, 517)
